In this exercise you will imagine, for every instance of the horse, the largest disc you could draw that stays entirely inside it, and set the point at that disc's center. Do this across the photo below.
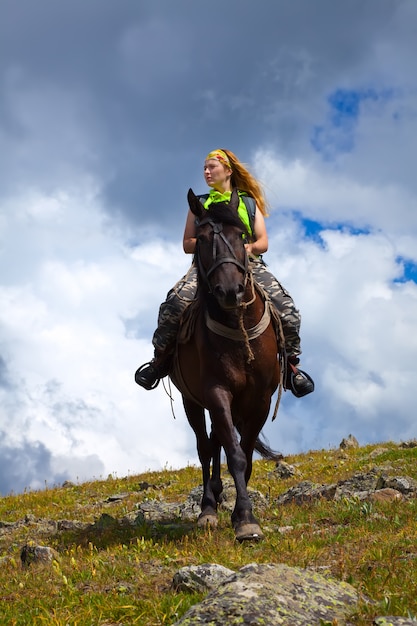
(228, 365)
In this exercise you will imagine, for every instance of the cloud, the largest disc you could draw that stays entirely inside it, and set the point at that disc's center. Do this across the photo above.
(67, 357)
(357, 306)
(106, 115)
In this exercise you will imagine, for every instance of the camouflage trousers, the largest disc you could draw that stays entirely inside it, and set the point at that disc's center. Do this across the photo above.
(180, 296)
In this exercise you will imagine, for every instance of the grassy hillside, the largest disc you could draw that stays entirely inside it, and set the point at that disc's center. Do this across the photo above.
(112, 572)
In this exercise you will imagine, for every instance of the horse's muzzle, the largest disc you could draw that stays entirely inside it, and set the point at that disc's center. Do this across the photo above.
(229, 298)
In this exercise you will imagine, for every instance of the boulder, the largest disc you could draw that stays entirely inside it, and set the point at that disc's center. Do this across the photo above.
(200, 578)
(274, 594)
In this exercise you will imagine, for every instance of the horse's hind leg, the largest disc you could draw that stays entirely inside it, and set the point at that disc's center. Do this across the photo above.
(197, 421)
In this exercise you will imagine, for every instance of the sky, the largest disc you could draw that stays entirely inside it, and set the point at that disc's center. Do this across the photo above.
(107, 111)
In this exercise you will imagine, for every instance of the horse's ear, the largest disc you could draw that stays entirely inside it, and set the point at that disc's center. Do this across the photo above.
(234, 200)
(194, 203)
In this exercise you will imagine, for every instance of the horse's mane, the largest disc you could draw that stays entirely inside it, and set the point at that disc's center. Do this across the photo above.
(223, 213)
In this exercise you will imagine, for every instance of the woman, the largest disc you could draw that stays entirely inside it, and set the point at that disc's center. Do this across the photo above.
(223, 172)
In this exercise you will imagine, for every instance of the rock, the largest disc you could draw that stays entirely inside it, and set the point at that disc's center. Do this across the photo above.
(404, 484)
(350, 442)
(117, 497)
(200, 578)
(285, 470)
(307, 491)
(31, 553)
(144, 486)
(104, 522)
(377, 452)
(393, 621)
(385, 495)
(274, 594)
(158, 511)
(412, 443)
(228, 497)
(65, 525)
(359, 485)
(363, 486)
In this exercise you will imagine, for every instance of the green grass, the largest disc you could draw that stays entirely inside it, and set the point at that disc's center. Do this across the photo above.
(122, 575)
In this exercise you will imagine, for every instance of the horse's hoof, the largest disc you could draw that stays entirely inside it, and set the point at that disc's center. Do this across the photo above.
(208, 519)
(248, 532)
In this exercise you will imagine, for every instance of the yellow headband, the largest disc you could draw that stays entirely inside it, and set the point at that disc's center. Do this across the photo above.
(221, 156)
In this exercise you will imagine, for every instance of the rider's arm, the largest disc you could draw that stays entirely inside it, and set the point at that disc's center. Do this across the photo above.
(260, 245)
(189, 239)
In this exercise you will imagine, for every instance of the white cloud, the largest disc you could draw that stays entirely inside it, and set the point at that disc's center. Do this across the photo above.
(330, 196)
(69, 357)
(358, 322)
(101, 138)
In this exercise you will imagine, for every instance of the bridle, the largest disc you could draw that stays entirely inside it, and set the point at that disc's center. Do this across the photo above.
(218, 235)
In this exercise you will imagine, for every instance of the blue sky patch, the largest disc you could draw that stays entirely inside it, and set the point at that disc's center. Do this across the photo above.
(313, 229)
(409, 268)
(337, 134)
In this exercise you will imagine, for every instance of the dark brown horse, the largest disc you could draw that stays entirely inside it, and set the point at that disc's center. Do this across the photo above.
(228, 365)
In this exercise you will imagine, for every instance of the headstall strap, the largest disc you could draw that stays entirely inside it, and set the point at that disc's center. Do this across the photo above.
(218, 232)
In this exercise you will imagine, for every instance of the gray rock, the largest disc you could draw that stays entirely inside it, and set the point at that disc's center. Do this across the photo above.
(117, 497)
(31, 553)
(306, 491)
(349, 442)
(411, 443)
(274, 595)
(394, 621)
(158, 510)
(69, 525)
(404, 484)
(358, 484)
(200, 578)
(377, 452)
(385, 495)
(285, 470)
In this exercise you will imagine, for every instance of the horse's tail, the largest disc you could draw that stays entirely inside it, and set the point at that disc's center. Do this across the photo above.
(266, 452)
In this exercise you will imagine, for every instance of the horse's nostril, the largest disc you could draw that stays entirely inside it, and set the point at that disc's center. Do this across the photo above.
(218, 291)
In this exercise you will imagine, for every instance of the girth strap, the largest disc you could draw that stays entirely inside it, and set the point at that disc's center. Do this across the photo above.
(235, 333)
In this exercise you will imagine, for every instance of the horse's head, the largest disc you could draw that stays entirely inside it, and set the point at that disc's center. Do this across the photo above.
(220, 252)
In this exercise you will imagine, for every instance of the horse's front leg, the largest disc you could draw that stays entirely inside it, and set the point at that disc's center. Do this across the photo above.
(197, 421)
(249, 430)
(216, 481)
(245, 524)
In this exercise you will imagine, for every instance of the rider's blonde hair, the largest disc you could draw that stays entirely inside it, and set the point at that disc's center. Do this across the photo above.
(245, 181)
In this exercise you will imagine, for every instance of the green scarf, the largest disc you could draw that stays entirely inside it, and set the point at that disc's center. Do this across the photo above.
(216, 196)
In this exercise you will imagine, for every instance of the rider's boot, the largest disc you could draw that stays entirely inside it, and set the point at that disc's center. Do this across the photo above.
(149, 374)
(297, 381)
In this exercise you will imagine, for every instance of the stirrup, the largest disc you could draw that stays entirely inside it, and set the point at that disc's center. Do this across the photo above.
(307, 382)
(141, 380)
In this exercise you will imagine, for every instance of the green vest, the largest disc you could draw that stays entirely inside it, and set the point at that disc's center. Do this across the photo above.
(216, 196)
